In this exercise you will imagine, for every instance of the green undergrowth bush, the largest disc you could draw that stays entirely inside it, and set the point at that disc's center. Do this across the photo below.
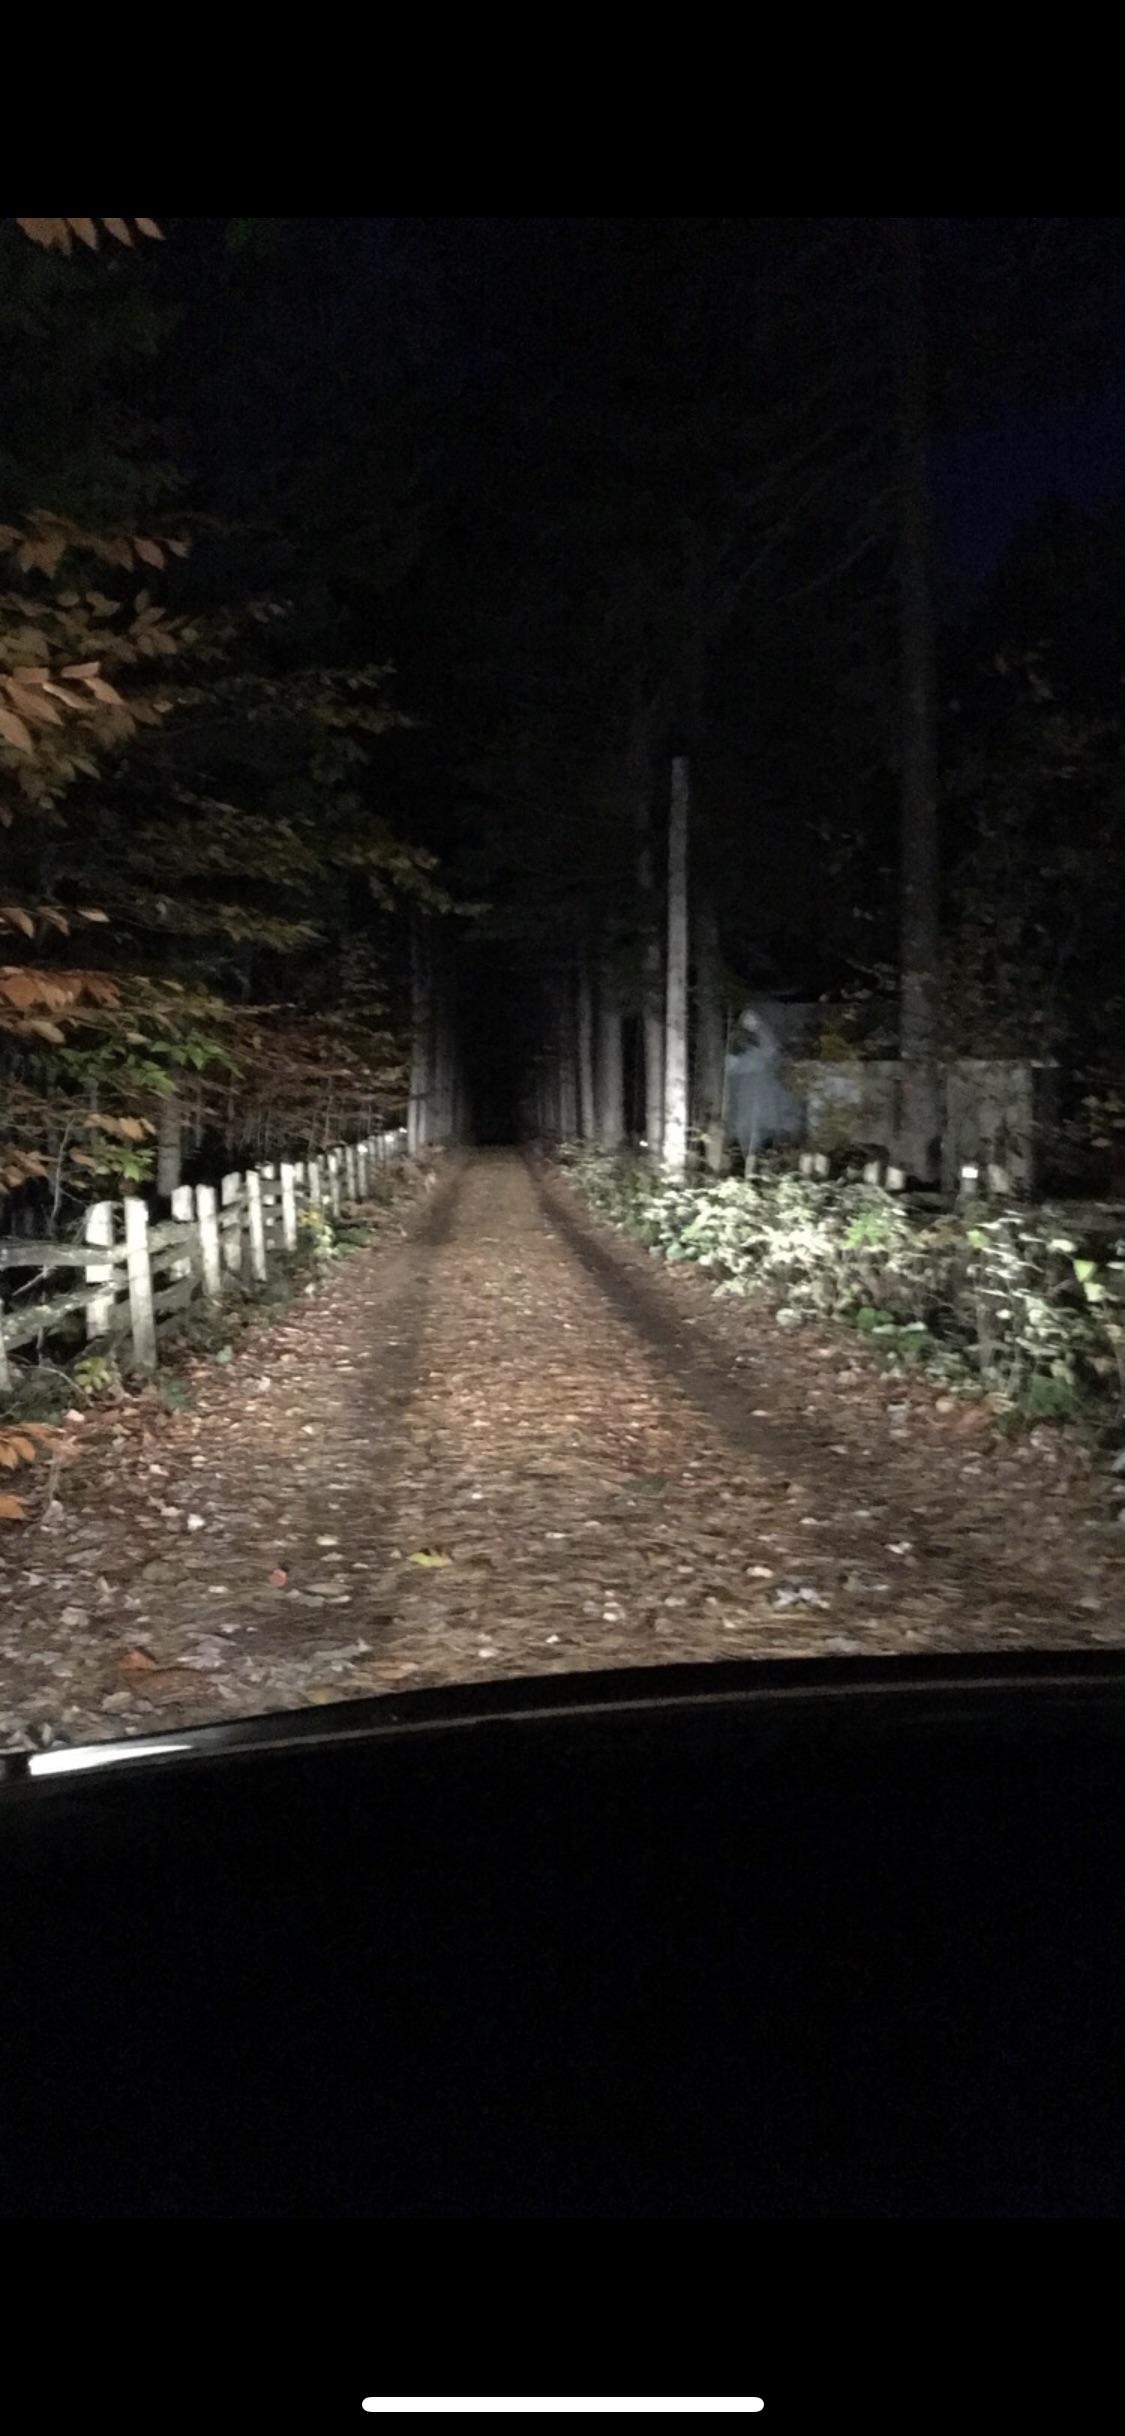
(1025, 1305)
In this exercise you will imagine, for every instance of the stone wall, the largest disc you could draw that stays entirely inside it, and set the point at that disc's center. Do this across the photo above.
(994, 1110)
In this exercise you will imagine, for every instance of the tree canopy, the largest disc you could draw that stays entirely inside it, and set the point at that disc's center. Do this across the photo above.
(355, 568)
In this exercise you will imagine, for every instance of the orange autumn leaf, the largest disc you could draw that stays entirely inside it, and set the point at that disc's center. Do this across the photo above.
(57, 235)
(14, 732)
(15, 1447)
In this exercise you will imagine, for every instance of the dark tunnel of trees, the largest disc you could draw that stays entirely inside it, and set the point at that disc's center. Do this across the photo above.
(347, 708)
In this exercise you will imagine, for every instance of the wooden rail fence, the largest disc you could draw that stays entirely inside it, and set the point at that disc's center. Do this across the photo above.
(127, 1274)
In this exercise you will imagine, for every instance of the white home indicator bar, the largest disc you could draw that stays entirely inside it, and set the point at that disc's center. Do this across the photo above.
(752, 2402)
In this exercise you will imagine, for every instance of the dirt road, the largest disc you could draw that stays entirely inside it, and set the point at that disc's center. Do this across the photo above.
(511, 1443)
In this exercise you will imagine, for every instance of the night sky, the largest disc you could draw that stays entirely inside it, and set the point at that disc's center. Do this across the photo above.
(992, 481)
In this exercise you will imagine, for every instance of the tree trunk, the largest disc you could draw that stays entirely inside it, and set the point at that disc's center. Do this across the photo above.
(438, 1127)
(169, 1145)
(421, 1047)
(549, 1088)
(442, 1039)
(568, 1079)
(676, 986)
(921, 940)
(587, 1114)
(611, 1068)
(449, 1076)
(652, 1011)
(711, 1036)
(569, 1109)
(654, 1054)
(436, 1042)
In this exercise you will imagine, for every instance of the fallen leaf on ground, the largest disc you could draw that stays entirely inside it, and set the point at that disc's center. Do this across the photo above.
(540, 1406)
(15, 1447)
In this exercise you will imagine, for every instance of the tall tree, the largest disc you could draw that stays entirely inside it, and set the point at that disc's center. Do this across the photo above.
(921, 906)
(711, 1030)
(610, 1064)
(676, 977)
(244, 855)
(587, 1102)
(640, 783)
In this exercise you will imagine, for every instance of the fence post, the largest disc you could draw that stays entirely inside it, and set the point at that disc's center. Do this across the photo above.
(271, 1215)
(351, 1174)
(5, 1366)
(231, 1193)
(256, 1229)
(362, 1150)
(183, 1208)
(316, 1188)
(209, 1251)
(99, 1309)
(139, 1270)
(288, 1205)
(334, 1181)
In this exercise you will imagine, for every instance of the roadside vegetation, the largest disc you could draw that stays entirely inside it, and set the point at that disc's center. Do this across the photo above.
(1023, 1305)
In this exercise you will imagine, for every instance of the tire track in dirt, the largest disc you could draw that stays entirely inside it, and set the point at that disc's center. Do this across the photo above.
(226, 1559)
(699, 1355)
(597, 1488)
(509, 1444)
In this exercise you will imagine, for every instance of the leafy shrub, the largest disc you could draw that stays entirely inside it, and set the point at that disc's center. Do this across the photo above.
(97, 1374)
(1003, 1300)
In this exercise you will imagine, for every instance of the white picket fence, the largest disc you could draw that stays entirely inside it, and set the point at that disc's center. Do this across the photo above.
(128, 1274)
